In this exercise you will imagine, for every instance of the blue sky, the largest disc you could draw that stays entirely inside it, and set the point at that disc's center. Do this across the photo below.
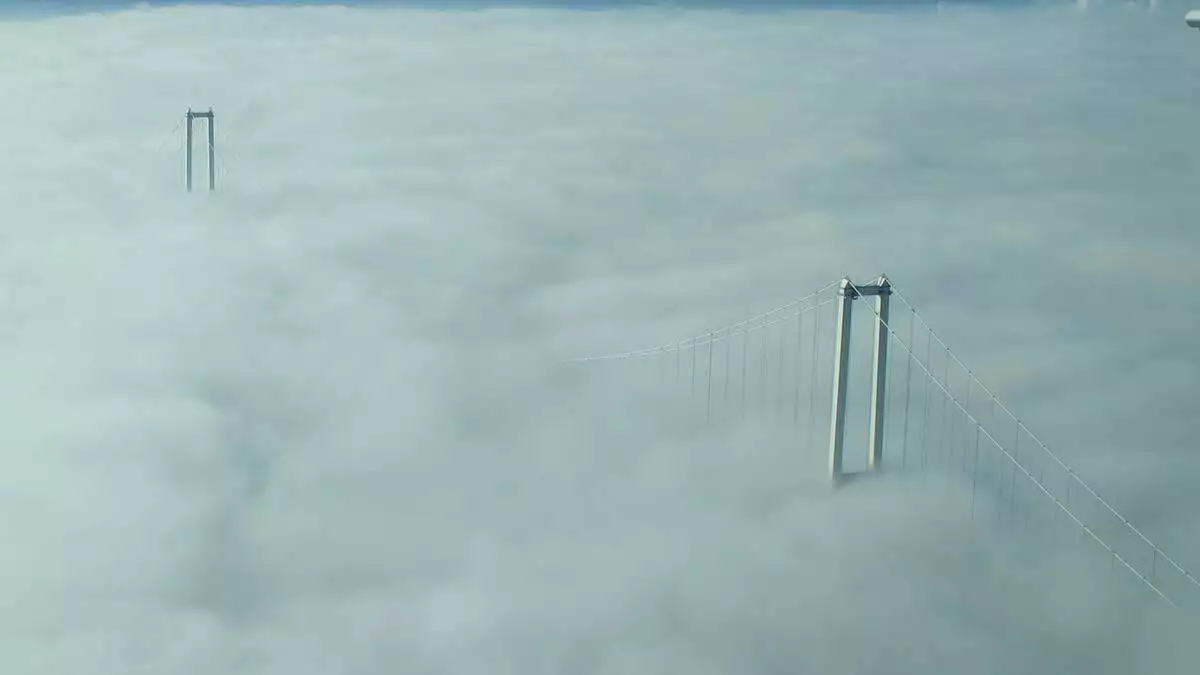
(41, 7)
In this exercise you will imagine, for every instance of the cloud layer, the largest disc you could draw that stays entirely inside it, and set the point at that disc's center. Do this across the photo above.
(314, 423)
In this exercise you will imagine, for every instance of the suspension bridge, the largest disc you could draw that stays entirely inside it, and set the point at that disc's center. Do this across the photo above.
(929, 418)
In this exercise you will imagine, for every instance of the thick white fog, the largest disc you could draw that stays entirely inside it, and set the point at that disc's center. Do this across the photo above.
(316, 422)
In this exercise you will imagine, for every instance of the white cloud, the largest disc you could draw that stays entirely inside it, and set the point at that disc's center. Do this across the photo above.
(314, 423)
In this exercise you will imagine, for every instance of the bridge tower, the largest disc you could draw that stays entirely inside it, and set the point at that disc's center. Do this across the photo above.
(212, 168)
(848, 292)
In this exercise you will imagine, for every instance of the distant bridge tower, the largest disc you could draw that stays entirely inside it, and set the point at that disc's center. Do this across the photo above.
(212, 149)
(881, 289)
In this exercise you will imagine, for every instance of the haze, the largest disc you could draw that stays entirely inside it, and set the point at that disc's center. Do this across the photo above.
(316, 422)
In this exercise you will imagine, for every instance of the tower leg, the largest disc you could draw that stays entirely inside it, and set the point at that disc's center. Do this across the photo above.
(212, 152)
(188, 152)
(879, 382)
(841, 359)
